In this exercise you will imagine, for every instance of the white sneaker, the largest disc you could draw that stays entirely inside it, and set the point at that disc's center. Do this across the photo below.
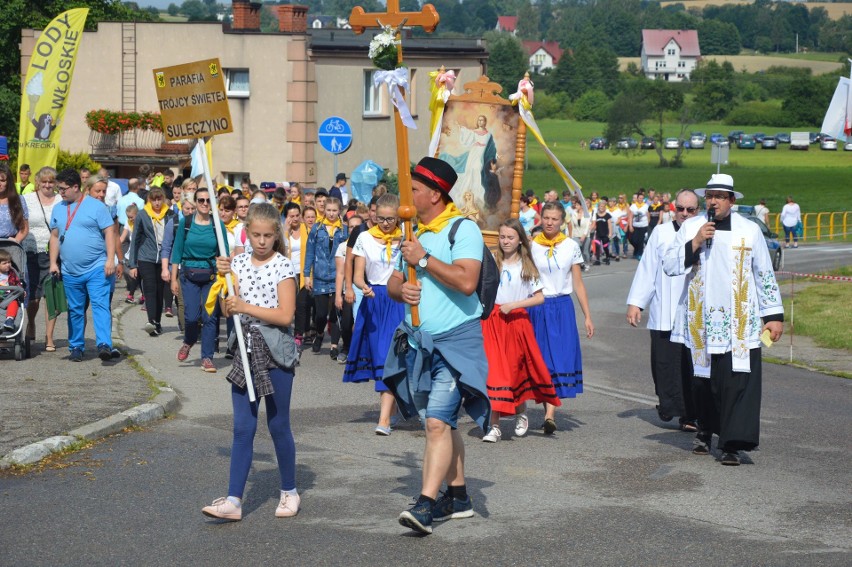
(288, 506)
(522, 424)
(494, 434)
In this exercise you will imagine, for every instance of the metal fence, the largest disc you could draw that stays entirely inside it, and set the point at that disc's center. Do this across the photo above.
(818, 226)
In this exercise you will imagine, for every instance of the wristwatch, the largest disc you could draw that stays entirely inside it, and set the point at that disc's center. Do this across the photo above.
(424, 260)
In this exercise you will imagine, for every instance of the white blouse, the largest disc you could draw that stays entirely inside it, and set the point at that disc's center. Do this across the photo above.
(555, 272)
(513, 287)
(378, 268)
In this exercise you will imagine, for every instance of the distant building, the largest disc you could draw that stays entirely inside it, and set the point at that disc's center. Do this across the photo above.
(543, 55)
(670, 54)
(507, 24)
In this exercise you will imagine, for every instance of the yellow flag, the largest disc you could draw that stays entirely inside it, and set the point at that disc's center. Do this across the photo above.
(47, 87)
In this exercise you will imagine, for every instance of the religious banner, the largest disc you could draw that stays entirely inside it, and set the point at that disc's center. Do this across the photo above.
(192, 100)
(46, 89)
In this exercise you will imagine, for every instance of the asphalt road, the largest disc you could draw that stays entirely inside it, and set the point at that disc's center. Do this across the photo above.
(614, 486)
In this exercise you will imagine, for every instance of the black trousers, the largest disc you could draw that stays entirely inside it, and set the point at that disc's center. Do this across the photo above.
(326, 312)
(347, 322)
(637, 239)
(671, 368)
(304, 309)
(153, 288)
(728, 403)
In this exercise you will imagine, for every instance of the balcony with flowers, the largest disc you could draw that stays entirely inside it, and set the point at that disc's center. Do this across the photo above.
(113, 132)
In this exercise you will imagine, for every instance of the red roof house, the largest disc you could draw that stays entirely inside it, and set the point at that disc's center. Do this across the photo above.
(670, 54)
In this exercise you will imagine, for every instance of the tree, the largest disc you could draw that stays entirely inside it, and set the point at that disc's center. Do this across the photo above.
(714, 89)
(507, 61)
(645, 101)
(173, 9)
(592, 106)
(528, 22)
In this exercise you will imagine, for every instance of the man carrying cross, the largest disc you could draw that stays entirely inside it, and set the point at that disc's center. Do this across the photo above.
(730, 286)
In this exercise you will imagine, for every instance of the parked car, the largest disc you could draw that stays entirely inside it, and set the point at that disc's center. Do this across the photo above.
(648, 143)
(800, 141)
(782, 138)
(599, 144)
(719, 139)
(627, 144)
(847, 147)
(814, 137)
(697, 140)
(772, 243)
(734, 136)
(769, 143)
(758, 137)
(827, 143)
(746, 142)
(671, 144)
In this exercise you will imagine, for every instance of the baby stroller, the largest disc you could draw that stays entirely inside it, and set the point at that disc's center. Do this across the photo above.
(16, 339)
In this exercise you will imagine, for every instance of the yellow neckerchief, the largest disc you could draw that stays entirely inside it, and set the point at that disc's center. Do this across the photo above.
(639, 203)
(297, 200)
(320, 218)
(541, 239)
(333, 225)
(594, 204)
(611, 209)
(438, 223)
(232, 224)
(623, 206)
(130, 226)
(387, 238)
(156, 217)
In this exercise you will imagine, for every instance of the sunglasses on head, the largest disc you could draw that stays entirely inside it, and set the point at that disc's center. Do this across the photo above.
(689, 210)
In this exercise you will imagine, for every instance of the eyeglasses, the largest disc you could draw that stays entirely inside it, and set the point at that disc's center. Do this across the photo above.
(717, 196)
(62, 188)
(689, 210)
(383, 220)
(202, 201)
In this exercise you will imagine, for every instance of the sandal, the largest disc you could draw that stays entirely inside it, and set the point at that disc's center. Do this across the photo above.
(49, 348)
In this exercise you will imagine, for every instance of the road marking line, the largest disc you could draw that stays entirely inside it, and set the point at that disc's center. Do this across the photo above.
(621, 394)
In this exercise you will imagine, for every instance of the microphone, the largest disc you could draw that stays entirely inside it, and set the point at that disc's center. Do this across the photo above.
(711, 216)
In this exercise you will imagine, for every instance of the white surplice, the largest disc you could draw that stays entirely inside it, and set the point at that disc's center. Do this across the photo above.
(727, 292)
(652, 290)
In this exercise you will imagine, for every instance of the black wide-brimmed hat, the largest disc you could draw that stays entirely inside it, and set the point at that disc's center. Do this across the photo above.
(436, 173)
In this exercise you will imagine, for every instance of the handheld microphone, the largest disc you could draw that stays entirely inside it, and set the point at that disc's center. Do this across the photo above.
(711, 216)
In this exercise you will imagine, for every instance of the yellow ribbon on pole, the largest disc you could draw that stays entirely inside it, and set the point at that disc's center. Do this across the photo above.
(441, 85)
(217, 290)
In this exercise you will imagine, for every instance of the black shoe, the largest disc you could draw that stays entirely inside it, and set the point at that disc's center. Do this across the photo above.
(549, 426)
(315, 348)
(334, 352)
(606, 261)
(730, 460)
(159, 330)
(418, 518)
(104, 352)
(115, 353)
(700, 447)
(596, 263)
(617, 259)
(664, 417)
(76, 355)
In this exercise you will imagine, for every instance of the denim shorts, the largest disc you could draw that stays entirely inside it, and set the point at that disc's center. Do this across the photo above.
(444, 401)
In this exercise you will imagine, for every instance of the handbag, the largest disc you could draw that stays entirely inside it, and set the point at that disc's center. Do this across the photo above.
(54, 295)
(800, 229)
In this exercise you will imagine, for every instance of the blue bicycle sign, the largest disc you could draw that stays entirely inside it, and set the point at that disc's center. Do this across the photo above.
(335, 135)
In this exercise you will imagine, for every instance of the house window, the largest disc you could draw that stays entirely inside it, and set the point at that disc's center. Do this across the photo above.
(237, 83)
(681, 64)
(372, 96)
(671, 51)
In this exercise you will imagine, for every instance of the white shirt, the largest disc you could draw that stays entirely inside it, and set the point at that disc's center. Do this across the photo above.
(640, 215)
(296, 251)
(762, 212)
(791, 214)
(378, 269)
(652, 290)
(113, 194)
(513, 287)
(40, 223)
(555, 272)
(259, 284)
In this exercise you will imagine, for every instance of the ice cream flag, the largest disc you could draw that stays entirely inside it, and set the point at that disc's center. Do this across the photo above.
(47, 86)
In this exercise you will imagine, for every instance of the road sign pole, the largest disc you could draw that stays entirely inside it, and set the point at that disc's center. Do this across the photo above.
(335, 166)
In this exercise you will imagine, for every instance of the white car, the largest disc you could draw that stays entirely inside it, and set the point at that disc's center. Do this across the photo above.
(828, 143)
(847, 147)
(672, 144)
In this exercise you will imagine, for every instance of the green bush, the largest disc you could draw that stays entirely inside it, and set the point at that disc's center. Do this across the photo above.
(76, 161)
(758, 113)
(592, 106)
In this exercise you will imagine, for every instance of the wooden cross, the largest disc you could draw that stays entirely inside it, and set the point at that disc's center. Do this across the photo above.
(428, 19)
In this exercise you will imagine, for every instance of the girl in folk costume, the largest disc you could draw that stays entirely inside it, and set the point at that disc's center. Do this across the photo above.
(319, 270)
(376, 254)
(265, 298)
(558, 260)
(516, 370)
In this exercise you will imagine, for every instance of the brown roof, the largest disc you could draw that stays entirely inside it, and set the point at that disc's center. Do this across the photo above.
(552, 47)
(507, 23)
(655, 41)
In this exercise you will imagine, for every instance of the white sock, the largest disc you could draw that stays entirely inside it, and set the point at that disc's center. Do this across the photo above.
(293, 492)
(235, 501)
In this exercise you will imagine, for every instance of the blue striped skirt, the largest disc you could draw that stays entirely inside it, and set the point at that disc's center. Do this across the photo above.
(555, 327)
(378, 318)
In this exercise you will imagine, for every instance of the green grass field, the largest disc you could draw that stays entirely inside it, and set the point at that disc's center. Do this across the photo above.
(816, 313)
(818, 180)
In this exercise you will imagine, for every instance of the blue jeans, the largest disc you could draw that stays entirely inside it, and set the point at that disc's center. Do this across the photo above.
(788, 232)
(278, 422)
(194, 297)
(96, 288)
(444, 401)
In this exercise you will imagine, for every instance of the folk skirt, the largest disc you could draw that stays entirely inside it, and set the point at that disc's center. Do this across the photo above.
(555, 328)
(378, 317)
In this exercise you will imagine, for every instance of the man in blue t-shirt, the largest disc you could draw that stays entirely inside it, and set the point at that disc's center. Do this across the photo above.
(82, 236)
(437, 364)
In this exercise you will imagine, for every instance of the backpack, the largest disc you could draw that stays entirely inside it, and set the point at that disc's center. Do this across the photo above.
(489, 275)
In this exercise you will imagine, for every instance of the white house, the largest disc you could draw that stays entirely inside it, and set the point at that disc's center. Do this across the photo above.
(670, 54)
(543, 55)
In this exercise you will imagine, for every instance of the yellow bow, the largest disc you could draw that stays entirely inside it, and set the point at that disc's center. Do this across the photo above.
(439, 222)
(333, 225)
(387, 238)
(156, 217)
(219, 288)
(540, 238)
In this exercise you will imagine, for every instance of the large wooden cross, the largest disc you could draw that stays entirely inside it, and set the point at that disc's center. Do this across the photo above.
(428, 19)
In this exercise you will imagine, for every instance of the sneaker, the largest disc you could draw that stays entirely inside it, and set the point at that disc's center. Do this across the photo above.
(606, 262)
(168, 312)
(418, 518)
(383, 431)
(223, 509)
(522, 424)
(586, 268)
(130, 299)
(104, 352)
(549, 426)
(341, 358)
(207, 365)
(796, 245)
(596, 263)
(494, 435)
(334, 353)
(158, 330)
(317, 344)
(730, 459)
(115, 353)
(9, 325)
(142, 300)
(183, 353)
(449, 508)
(288, 506)
(151, 329)
(76, 355)
(616, 258)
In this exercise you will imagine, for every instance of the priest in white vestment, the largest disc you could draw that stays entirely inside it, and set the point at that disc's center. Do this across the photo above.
(659, 295)
(731, 299)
